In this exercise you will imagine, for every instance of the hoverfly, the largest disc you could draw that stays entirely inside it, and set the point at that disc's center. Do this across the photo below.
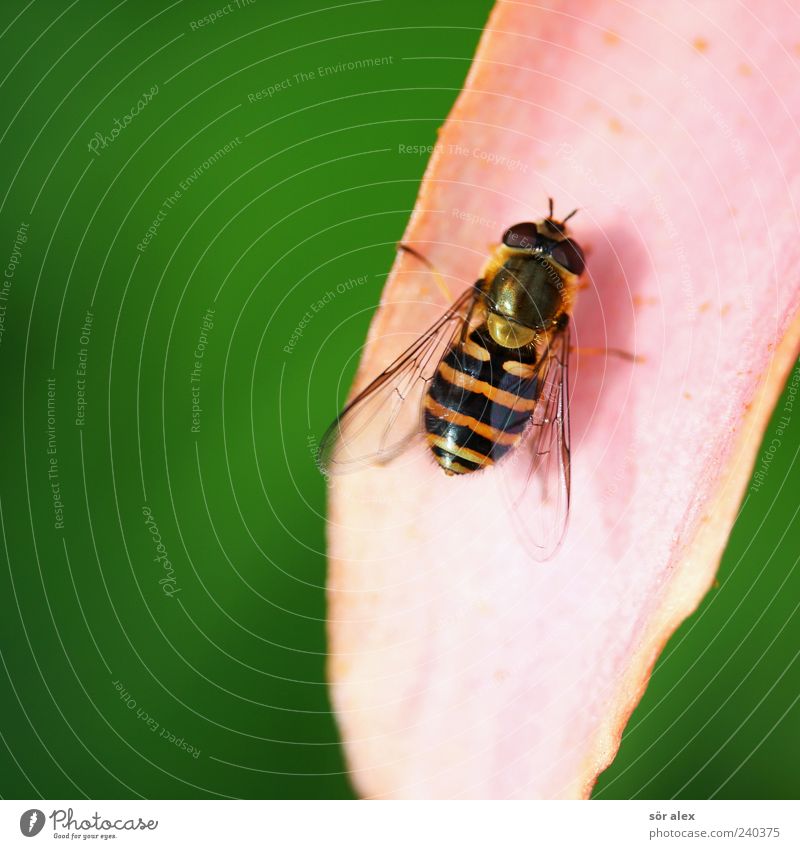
(489, 378)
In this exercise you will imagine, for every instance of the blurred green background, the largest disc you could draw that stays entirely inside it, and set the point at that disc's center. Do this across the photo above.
(157, 339)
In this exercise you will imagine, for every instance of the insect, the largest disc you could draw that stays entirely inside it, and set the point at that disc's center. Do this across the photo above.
(488, 379)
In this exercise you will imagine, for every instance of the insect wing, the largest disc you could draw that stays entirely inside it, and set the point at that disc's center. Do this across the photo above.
(536, 480)
(380, 422)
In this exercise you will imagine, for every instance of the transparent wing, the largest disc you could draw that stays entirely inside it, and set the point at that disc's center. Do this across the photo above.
(380, 422)
(536, 481)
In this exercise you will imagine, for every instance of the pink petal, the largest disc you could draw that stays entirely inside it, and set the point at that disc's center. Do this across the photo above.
(461, 668)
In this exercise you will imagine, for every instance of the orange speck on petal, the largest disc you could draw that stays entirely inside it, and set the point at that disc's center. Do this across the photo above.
(700, 44)
(610, 37)
(745, 70)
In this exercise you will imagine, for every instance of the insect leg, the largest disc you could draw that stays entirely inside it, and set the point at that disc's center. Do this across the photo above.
(440, 281)
(611, 352)
(479, 288)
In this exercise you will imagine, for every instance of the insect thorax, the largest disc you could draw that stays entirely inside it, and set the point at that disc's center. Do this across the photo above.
(526, 292)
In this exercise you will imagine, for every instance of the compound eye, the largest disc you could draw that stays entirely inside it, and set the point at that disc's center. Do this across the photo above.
(521, 236)
(570, 255)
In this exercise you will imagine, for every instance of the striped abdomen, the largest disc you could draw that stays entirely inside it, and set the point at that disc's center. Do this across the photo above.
(479, 402)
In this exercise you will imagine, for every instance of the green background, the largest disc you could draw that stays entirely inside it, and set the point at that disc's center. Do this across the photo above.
(94, 654)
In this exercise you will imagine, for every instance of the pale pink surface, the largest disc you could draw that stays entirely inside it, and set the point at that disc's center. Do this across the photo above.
(461, 668)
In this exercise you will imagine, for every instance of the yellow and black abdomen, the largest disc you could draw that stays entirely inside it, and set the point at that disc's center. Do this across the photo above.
(479, 402)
